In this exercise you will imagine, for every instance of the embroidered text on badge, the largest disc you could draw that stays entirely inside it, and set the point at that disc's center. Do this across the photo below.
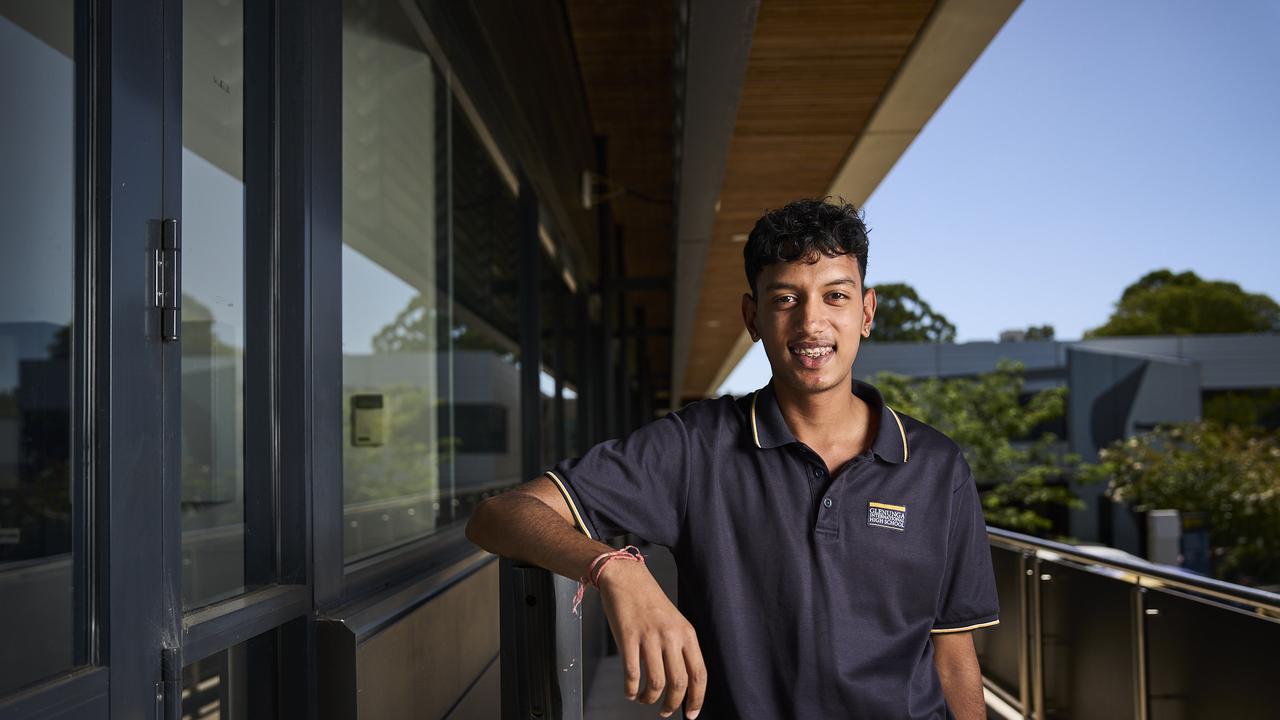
(882, 515)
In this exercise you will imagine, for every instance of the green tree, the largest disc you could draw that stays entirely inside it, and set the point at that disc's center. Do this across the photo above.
(1230, 473)
(416, 327)
(1246, 408)
(1040, 332)
(1164, 303)
(420, 326)
(996, 431)
(902, 316)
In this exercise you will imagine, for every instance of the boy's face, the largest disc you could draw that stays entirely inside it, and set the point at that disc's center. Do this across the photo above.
(811, 318)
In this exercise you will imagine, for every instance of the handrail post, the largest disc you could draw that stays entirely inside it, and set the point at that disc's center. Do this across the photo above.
(541, 656)
(568, 657)
(1037, 642)
(1139, 652)
(1024, 630)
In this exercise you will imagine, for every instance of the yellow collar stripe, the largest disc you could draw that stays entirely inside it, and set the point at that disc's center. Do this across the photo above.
(901, 432)
(754, 430)
(577, 516)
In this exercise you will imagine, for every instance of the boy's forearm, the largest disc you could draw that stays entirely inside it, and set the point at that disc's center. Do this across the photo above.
(522, 527)
(960, 675)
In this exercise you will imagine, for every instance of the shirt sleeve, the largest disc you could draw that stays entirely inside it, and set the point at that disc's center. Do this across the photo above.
(967, 599)
(636, 485)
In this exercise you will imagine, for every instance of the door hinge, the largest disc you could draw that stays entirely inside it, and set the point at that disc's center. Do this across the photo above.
(169, 698)
(168, 290)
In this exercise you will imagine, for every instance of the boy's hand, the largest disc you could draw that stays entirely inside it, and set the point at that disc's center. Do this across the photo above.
(652, 634)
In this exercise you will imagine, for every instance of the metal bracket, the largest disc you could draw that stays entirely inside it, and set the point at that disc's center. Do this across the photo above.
(168, 289)
(170, 696)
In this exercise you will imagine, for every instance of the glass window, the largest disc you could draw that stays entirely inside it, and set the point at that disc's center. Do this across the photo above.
(394, 269)
(430, 307)
(559, 347)
(571, 380)
(485, 313)
(213, 300)
(235, 684)
(41, 578)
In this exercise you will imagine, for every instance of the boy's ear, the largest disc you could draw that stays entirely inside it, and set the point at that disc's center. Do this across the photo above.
(868, 310)
(749, 316)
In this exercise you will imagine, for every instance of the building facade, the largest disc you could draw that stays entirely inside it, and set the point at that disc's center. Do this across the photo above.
(1116, 387)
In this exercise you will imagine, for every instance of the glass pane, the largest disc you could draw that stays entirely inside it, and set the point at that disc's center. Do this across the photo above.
(559, 318)
(1088, 645)
(1207, 659)
(998, 646)
(213, 300)
(41, 629)
(235, 684)
(485, 320)
(394, 266)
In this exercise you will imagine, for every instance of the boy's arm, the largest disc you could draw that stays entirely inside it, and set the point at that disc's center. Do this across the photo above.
(957, 664)
(533, 524)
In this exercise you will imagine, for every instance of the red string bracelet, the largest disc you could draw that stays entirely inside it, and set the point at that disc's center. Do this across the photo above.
(594, 570)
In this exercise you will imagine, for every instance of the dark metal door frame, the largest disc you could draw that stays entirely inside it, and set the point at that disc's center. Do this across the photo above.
(129, 153)
(274, 616)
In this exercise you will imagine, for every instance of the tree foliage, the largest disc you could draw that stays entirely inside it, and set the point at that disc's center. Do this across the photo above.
(1040, 332)
(1164, 303)
(415, 328)
(994, 428)
(421, 327)
(902, 316)
(1258, 407)
(1230, 473)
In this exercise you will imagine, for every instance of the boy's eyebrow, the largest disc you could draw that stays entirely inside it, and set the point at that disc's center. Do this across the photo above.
(776, 285)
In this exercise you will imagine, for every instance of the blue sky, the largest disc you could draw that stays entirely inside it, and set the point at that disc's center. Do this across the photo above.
(1092, 142)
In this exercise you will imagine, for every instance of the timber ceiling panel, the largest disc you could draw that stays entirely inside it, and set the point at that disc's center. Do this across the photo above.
(817, 70)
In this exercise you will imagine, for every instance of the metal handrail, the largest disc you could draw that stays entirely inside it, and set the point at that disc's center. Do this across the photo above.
(1144, 573)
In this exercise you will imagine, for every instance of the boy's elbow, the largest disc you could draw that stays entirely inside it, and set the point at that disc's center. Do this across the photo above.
(475, 524)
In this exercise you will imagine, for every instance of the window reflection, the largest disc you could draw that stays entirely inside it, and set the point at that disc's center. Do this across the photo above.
(559, 348)
(213, 301)
(394, 336)
(40, 585)
(235, 684)
(430, 308)
(486, 313)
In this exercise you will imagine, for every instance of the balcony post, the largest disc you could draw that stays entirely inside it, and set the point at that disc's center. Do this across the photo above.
(1037, 642)
(1139, 651)
(1024, 633)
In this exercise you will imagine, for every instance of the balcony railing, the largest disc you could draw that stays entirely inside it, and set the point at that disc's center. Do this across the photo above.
(1084, 636)
(1081, 636)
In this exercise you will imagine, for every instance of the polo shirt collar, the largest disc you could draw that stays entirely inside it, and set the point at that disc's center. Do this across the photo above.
(769, 429)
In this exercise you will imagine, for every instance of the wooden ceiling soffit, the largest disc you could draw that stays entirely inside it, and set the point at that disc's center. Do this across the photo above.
(835, 92)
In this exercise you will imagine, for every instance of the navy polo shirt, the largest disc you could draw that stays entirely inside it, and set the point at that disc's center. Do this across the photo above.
(812, 596)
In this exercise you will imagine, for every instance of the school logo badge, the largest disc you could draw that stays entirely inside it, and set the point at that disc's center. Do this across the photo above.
(893, 517)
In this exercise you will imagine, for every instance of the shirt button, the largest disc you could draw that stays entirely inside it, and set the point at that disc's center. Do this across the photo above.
(819, 472)
(826, 502)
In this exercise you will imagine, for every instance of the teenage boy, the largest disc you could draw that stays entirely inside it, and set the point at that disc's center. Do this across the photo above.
(832, 554)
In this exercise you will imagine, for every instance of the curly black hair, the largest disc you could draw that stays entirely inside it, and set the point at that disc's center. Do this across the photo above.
(801, 230)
